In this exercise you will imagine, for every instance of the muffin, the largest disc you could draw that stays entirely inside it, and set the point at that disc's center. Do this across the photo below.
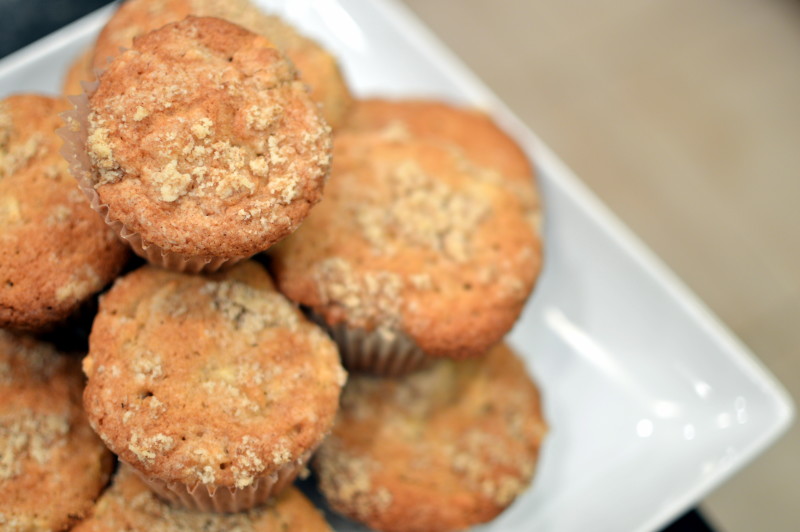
(440, 450)
(200, 146)
(415, 253)
(129, 505)
(79, 71)
(317, 67)
(48, 452)
(56, 253)
(215, 389)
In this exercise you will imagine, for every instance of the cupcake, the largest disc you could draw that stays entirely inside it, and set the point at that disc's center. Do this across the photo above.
(55, 252)
(317, 66)
(215, 389)
(199, 145)
(415, 253)
(48, 452)
(129, 505)
(441, 450)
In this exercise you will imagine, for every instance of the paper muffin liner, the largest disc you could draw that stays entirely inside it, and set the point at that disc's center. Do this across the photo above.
(391, 354)
(74, 150)
(223, 499)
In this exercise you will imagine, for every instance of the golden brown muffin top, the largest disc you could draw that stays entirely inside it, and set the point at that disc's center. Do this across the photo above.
(129, 505)
(442, 449)
(217, 379)
(203, 141)
(317, 67)
(472, 131)
(413, 237)
(56, 252)
(48, 452)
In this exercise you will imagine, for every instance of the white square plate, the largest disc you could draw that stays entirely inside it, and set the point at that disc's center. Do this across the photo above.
(652, 402)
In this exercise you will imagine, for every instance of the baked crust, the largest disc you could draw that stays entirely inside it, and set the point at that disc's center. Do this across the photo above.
(217, 380)
(442, 449)
(413, 237)
(203, 141)
(56, 252)
(317, 67)
(130, 505)
(48, 452)
(471, 130)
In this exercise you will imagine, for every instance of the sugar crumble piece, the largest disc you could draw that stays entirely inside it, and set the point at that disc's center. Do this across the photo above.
(423, 211)
(170, 183)
(202, 128)
(263, 117)
(140, 114)
(147, 449)
(368, 297)
(246, 463)
(20, 155)
(83, 281)
(348, 479)
(25, 434)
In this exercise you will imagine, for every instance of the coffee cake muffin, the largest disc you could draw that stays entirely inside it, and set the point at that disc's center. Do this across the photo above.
(415, 252)
(52, 466)
(129, 505)
(55, 253)
(200, 146)
(441, 450)
(215, 389)
(317, 67)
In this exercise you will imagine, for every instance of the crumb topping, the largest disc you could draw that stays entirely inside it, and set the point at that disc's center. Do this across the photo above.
(478, 455)
(146, 449)
(424, 211)
(102, 155)
(367, 298)
(140, 114)
(347, 479)
(10, 211)
(27, 434)
(82, 282)
(251, 310)
(395, 131)
(37, 361)
(20, 155)
(146, 366)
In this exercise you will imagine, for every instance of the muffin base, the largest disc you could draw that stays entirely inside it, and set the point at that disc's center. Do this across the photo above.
(205, 498)
(74, 150)
(376, 352)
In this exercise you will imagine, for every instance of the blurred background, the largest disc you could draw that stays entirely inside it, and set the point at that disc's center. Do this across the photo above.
(683, 116)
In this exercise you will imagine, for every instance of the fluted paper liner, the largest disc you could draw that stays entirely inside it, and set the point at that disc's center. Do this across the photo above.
(74, 150)
(222, 499)
(376, 352)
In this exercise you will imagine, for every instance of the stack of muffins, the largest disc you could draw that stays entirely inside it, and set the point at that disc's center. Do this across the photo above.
(284, 232)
